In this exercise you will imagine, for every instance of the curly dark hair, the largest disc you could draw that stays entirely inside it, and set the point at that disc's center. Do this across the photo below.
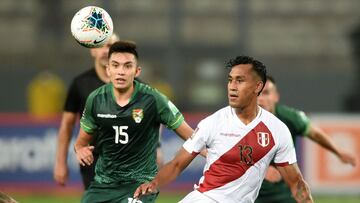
(258, 67)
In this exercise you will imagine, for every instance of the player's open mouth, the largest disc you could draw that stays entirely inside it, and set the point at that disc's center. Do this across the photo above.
(120, 80)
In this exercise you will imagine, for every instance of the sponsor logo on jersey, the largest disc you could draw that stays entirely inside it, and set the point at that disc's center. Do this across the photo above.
(100, 115)
(138, 115)
(230, 134)
(263, 139)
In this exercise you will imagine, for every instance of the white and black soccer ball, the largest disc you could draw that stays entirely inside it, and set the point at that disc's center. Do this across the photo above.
(91, 26)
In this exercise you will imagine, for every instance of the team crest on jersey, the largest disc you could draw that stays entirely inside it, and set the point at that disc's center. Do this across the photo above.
(263, 139)
(138, 115)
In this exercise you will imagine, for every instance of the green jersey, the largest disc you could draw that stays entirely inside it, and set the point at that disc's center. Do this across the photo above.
(298, 124)
(126, 137)
(295, 120)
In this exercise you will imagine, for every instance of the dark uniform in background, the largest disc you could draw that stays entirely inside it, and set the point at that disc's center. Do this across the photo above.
(79, 90)
(298, 124)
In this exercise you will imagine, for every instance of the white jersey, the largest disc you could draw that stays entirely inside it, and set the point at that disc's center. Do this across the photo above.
(238, 155)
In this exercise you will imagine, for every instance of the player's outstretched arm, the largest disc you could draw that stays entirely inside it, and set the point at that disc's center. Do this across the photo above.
(184, 131)
(299, 188)
(82, 149)
(63, 141)
(168, 173)
(319, 136)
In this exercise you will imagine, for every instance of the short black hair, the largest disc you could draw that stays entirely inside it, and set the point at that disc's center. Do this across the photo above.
(258, 67)
(123, 46)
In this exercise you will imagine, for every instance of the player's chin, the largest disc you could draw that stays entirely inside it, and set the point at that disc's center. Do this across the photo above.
(119, 86)
(232, 101)
(232, 104)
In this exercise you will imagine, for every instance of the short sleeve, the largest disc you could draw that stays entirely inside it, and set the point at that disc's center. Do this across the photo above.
(285, 153)
(198, 140)
(304, 123)
(87, 121)
(296, 120)
(169, 114)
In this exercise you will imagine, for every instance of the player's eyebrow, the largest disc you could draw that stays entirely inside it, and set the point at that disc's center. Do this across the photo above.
(128, 62)
(114, 62)
(237, 77)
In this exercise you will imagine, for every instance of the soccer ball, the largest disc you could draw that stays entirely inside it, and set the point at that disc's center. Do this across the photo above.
(91, 26)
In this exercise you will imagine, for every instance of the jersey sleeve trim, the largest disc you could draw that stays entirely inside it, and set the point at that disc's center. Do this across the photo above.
(86, 128)
(307, 129)
(177, 122)
(188, 146)
(282, 164)
(195, 153)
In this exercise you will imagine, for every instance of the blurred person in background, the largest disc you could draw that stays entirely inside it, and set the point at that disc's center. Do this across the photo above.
(79, 90)
(45, 95)
(274, 188)
(352, 101)
(241, 140)
(122, 120)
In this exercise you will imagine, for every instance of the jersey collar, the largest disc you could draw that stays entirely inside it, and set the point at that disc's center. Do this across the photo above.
(136, 89)
(250, 125)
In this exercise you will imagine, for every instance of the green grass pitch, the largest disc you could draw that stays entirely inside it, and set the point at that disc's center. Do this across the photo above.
(163, 198)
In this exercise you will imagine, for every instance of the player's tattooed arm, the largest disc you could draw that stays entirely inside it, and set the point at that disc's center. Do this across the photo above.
(303, 194)
(296, 182)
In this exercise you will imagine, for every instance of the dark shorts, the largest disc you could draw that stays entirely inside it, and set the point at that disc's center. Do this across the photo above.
(101, 193)
(274, 193)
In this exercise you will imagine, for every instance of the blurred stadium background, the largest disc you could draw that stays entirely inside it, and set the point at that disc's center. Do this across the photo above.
(312, 48)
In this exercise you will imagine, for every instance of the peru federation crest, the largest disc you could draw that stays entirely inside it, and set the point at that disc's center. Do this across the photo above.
(263, 139)
(138, 115)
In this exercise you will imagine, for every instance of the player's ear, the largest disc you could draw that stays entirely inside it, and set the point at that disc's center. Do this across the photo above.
(259, 87)
(138, 71)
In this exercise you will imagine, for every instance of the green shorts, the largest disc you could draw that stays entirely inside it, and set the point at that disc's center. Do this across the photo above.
(274, 193)
(101, 193)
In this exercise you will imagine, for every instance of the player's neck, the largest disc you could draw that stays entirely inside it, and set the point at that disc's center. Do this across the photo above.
(101, 72)
(123, 96)
(247, 114)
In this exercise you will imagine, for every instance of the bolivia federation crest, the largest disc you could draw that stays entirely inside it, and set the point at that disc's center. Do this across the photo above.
(138, 115)
(263, 139)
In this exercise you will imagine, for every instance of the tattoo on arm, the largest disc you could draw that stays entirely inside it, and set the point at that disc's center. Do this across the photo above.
(303, 192)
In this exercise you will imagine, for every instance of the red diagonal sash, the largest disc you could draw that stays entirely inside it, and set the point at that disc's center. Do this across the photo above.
(235, 162)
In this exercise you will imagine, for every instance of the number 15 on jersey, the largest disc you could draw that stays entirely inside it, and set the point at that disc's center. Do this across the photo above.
(121, 134)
